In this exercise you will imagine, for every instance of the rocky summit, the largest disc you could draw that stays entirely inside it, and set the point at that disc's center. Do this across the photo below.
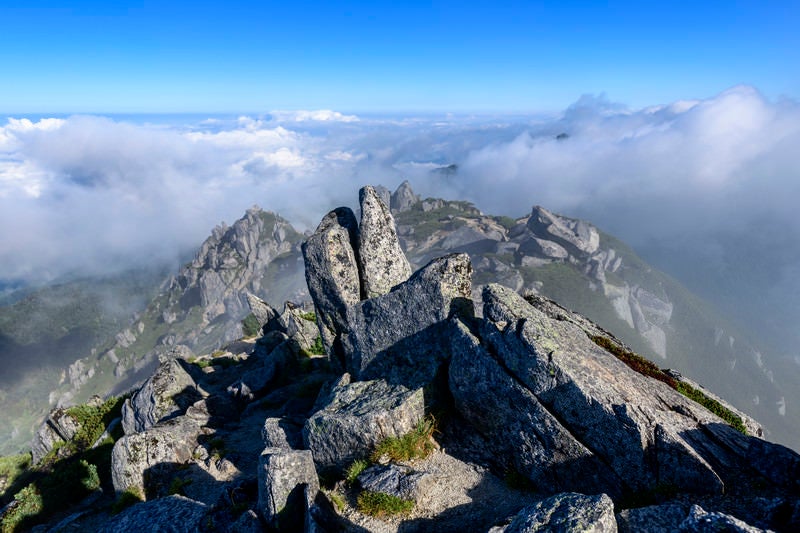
(418, 402)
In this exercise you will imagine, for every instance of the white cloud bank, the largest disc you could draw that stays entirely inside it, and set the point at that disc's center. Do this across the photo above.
(92, 193)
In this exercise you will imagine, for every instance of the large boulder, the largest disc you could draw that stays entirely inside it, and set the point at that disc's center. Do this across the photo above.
(524, 435)
(165, 394)
(332, 272)
(287, 486)
(356, 417)
(645, 431)
(567, 513)
(138, 459)
(381, 260)
(400, 335)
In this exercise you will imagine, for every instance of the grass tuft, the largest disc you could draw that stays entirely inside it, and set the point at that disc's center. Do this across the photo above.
(416, 444)
(354, 470)
(380, 505)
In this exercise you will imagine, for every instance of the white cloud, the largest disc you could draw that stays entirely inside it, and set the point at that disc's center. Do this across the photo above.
(688, 168)
(320, 115)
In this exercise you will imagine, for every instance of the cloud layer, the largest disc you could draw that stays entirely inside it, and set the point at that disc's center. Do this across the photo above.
(91, 194)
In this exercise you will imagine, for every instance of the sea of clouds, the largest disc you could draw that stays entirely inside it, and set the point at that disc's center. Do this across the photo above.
(706, 182)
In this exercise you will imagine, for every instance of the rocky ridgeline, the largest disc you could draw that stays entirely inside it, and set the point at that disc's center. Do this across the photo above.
(538, 428)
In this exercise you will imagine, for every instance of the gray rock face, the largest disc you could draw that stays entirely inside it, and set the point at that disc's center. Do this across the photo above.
(169, 443)
(332, 272)
(518, 426)
(645, 431)
(173, 514)
(260, 309)
(167, 393)
(399, 335)
(59, 426)
(568, 513)
(699, 521)
(403, 198)
(381, 260)
(356, 417)
(285, 480)
(282, 433)
(291, 322)
(575, 235)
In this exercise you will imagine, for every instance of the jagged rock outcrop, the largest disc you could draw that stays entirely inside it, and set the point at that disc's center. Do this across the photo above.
(646, 432)
(572, 234)
(521, 431)
(332, 272)
(525, 390)
(167, 393)
(382, 263)
(398, 335)
(260, 309)
(403, 198)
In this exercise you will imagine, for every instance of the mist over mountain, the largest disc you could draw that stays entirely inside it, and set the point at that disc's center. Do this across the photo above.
(702, 189)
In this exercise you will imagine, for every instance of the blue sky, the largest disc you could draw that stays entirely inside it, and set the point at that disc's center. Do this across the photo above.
(101, 57)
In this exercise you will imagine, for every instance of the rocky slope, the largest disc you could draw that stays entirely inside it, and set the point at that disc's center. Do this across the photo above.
(201, 307)
(542, 253)
(427, 411)
(593, 273)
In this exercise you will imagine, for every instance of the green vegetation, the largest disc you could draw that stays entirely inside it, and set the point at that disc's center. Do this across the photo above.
(27, 504)
(52, 491)
(131, 496)
(311, 316)
(635, 361)
(250, 326)
(648, 368)
(380, 505)
(11, 468)
(317, 348)
(506, 222)
(354, 470)
(67, 474)
(416, 444)
(337, 500)
(712, 405)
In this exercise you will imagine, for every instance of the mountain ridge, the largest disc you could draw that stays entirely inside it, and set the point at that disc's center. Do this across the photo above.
(562, 258)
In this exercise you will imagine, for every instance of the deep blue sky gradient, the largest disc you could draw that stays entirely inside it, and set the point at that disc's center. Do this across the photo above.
(147, 56)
